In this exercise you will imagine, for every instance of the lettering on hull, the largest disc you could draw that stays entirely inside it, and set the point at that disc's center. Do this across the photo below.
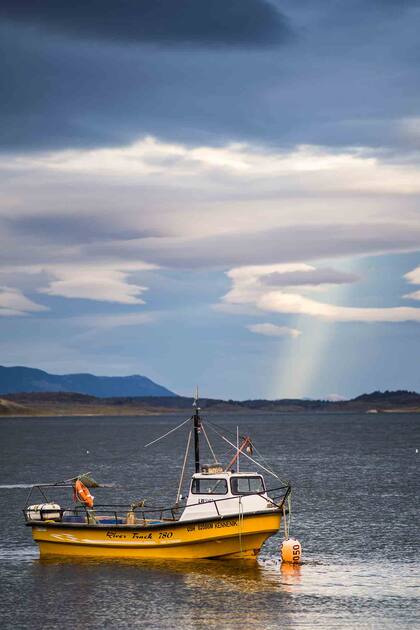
(141, 538)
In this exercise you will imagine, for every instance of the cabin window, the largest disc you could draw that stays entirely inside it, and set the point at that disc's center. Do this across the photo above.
(209, 486)
(247, 485)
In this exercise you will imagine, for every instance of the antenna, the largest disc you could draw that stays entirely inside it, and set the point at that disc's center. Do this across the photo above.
(197, 424)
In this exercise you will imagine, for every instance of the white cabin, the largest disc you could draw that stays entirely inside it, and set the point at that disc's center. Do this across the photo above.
(226, 494)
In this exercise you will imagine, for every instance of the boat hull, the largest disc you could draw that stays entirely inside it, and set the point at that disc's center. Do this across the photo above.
(227, 537)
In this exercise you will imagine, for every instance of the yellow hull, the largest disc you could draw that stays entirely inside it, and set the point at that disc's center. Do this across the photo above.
(229, 537)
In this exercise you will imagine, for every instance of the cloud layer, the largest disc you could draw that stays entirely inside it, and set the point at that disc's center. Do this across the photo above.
(272, 330)
(154, 204)
(13, 302)
(105, 283)
(186, 22)
(309, 277)
(179, 206)
(413, 277)
(249, 287)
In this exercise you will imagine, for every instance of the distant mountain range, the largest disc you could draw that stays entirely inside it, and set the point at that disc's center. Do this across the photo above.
(23, 379)
(73, 404)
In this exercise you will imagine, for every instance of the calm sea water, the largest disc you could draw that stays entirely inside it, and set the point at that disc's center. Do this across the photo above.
(355, 510)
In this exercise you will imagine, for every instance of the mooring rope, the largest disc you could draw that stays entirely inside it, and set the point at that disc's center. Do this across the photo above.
(286, 531)
(240, 523)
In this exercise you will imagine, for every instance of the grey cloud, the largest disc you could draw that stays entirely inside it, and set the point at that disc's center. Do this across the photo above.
(168, 22)
(322, 275)
(286, 244)
(75, 229)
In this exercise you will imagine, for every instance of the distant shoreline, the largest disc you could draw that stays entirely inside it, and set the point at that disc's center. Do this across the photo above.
(61, 404)
(218, 413)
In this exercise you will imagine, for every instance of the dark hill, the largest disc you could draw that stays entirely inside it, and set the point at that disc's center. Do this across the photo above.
(66, 403)
(23, 379)
(398, 397)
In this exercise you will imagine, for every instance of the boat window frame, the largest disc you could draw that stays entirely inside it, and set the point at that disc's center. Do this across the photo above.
(210, 494)
(244, 494)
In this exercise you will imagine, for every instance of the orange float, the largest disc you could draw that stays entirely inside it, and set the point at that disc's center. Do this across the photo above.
(82, 494)
(291, 551)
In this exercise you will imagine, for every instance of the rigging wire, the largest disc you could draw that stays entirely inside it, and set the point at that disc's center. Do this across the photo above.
(213, 426)
(269, 467)
(208, 442)
(223, 429)
(262, 458)
(178, 494)
(165, 434)
(247, 456)
(268, 464)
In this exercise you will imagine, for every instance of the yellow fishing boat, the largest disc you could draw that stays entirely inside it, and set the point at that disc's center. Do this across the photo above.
(228, 513)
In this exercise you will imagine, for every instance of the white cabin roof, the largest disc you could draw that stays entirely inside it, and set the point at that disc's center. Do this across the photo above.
(225, 475)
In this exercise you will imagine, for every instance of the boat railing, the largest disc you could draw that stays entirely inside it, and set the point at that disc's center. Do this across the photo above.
(122, 514)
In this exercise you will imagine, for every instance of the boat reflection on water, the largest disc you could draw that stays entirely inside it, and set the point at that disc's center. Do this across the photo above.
(209, 594)
(244, 576)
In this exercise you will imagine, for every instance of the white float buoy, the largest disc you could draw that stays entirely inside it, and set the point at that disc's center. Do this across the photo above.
(291, 551)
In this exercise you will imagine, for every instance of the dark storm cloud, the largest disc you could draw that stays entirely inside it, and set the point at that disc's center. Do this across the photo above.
(337, 82)
(170, 22)
(57, 94)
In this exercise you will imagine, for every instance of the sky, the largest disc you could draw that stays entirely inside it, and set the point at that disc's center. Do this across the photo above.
(219, 193)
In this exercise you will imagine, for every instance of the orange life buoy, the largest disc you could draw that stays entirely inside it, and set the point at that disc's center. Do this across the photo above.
(82, 494)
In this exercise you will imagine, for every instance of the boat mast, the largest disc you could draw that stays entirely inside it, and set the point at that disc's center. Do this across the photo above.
(196, 419)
